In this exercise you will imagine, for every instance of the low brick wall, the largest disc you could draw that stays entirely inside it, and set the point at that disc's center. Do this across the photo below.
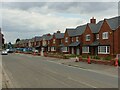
(104, 62)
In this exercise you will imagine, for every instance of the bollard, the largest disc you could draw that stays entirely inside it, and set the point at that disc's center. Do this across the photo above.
(89, 62)
(76, 59)
(116, 62)
(80, 58)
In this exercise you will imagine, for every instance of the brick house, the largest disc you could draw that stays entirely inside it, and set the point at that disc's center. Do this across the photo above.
(38, 43)
(108, 37)
(2, 40)
(45, 42)
(67, 40)
(73, 40)
(56, 40)
(99, 39)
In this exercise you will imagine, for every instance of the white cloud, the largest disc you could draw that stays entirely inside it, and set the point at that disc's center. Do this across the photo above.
(15, 20)
(28, 20)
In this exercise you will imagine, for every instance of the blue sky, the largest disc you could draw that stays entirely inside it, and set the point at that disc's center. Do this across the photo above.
(28, 19)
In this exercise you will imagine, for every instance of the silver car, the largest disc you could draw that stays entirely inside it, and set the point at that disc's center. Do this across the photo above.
(4, 52)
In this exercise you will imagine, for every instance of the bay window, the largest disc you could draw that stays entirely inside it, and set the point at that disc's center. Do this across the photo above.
(53, 48)
(103, 49)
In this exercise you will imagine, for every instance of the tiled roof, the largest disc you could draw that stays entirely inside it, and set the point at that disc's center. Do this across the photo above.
(95, 43)
(74, 44)
(38, 38)
(61, 45)
(46, 37)
(59, 35)
(71, 31)
(80, 30)
(95, 27)
(114, 22)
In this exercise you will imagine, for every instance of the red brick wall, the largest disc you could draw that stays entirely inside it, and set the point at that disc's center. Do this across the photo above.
(88, 31)
(105, 28)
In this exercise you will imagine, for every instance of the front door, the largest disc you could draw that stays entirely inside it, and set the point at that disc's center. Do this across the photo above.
(96, 51)
(77, 51)
(72, 50)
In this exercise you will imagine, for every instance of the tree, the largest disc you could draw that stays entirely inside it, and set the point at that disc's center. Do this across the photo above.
(17, 40)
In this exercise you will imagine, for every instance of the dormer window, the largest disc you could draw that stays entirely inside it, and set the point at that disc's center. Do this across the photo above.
(88, 37)
(105, 35)
(66, 39)
(77, 39)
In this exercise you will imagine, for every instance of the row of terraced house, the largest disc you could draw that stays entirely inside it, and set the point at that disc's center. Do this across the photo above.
(102, 38)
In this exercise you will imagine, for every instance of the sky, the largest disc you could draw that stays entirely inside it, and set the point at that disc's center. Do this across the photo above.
(25, 20)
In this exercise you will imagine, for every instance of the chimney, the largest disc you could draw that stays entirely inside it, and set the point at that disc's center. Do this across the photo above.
(58, 31)
(48, 34)
(93, 20)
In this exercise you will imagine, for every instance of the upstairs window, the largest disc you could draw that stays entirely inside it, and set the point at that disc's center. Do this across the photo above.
(97, 36)
(77, 39)
(53, 41)
(48, 42)
(72, 39)
(66, 39)
(103, 49)
(105, 35)
(88, 37)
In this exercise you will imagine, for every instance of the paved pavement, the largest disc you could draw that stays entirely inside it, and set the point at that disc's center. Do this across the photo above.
(26, 71)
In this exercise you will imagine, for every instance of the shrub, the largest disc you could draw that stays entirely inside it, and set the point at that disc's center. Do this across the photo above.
(84, 56)
(107, 58)
(119, 62)
(96, 57)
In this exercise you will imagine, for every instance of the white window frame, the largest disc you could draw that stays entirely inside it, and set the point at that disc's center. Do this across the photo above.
(61, 40)
(87, 39)
(48, 42)
(105, 35)
(66, 39)
(85, 49)
(65, 49)
(48, 48)
(54, 41)
(100, 49)
(77, 39)
(53, 48)
(72, 39)
(97, 36)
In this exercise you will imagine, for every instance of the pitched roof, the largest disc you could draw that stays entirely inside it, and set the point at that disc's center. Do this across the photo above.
(114, 22)
(46, 37)
(39, 38)
(95, 43)
(70, 31)
(59, 35)
(80, 30)
(74, 44)
(95, 27)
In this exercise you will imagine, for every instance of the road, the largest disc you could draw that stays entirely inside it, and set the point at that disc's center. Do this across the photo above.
(27, 71)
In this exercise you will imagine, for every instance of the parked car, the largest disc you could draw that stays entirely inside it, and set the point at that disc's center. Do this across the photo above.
(10, 50)
(4, 52)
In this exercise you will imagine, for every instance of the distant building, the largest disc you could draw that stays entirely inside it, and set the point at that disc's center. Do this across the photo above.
(1, 39)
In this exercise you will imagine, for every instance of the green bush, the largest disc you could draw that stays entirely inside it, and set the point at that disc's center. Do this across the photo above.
(119, 62)
(84, 56)
(107, 58)
(96, 57)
